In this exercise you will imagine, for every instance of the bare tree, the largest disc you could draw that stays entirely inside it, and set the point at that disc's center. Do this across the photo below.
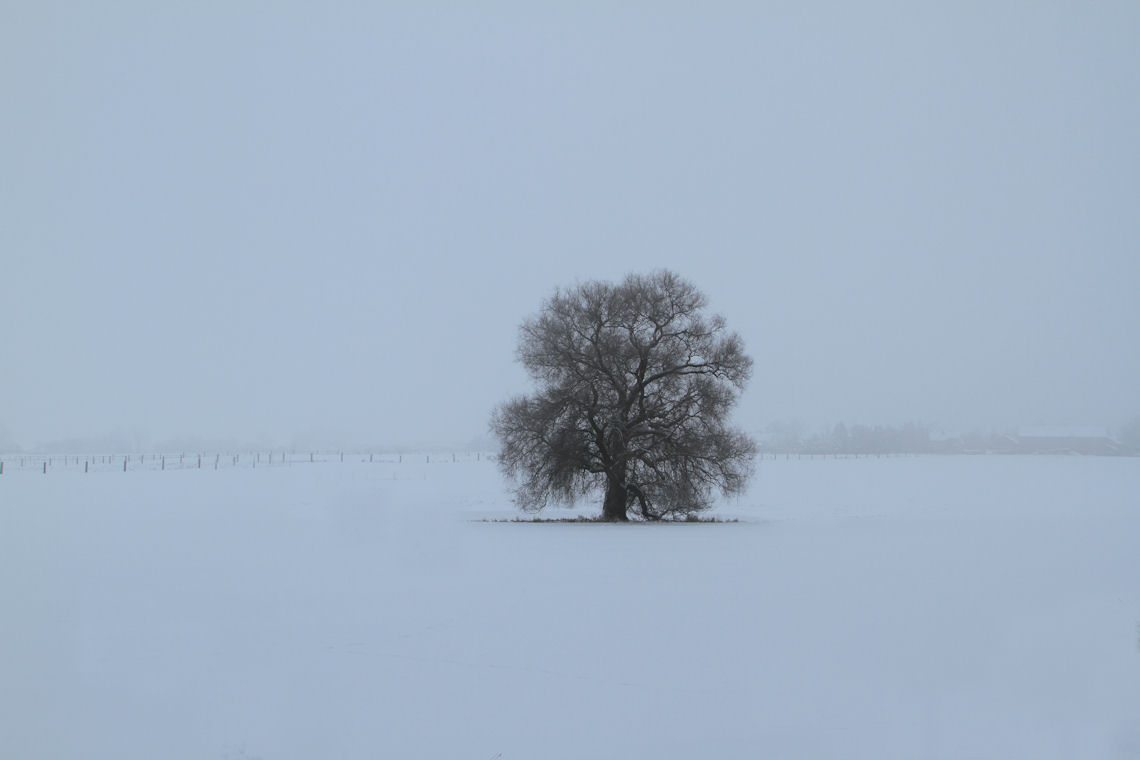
(635, 383)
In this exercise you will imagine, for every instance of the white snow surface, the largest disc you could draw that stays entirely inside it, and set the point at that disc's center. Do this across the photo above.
(920, 607)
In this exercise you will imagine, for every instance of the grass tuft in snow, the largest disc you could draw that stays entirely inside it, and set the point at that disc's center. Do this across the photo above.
(599, 519)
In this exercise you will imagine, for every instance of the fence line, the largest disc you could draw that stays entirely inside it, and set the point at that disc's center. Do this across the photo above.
(229, 460)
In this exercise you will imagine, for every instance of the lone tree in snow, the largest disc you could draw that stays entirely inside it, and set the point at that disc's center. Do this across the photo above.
(635, 383)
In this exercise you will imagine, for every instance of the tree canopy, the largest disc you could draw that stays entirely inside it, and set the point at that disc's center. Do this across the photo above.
(635, 383)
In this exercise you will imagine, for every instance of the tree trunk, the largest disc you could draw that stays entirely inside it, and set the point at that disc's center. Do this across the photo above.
(613, 509)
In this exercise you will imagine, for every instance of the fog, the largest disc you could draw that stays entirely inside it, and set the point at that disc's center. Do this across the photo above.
(288, 222)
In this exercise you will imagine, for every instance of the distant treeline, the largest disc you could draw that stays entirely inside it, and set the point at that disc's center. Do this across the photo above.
(917, 438)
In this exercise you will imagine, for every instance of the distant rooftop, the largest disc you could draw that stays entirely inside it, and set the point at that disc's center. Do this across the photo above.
(1065, 431)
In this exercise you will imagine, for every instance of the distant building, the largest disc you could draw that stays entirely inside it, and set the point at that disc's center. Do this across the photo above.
(1093, 441)
(1005, 444)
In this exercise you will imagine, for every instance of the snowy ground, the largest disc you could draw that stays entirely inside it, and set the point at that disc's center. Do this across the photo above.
(875, 608)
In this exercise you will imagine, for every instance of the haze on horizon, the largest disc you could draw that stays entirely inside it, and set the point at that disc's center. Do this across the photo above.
(260, 222)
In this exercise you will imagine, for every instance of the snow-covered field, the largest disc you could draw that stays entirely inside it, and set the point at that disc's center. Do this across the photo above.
(865, 608)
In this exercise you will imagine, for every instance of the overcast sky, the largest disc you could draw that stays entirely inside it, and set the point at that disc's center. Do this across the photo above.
(264, 219)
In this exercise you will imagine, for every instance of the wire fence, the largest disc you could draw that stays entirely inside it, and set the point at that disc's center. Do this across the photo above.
(232, 460)
(214, 460)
